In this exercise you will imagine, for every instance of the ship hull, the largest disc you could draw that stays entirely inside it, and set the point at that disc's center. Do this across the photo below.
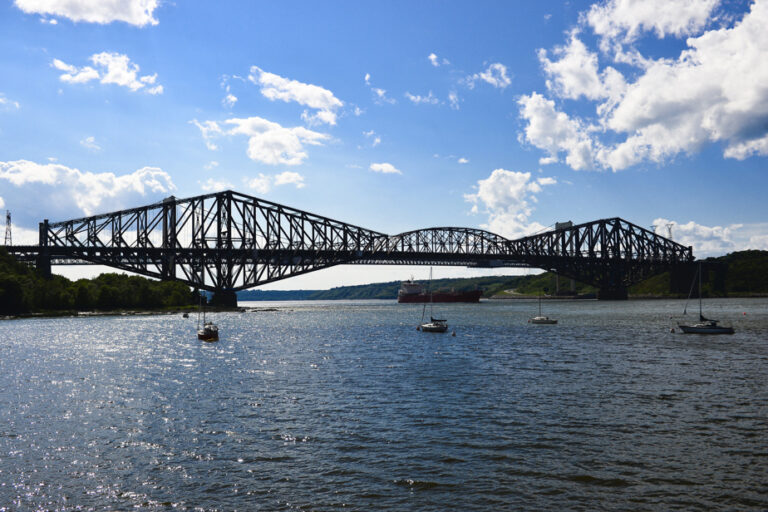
(473, 296)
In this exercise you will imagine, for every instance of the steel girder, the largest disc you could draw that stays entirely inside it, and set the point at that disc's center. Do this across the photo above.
(220, 241)
(232, 241)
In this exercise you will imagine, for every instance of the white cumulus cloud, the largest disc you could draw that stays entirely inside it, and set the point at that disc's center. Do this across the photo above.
(214, 185)
(627, 20)
(429, 99)
(209, 130)
(375, 139)
(263, 183)
(495, 74)
(576, 73)
(555, 132)
(289, 178)
(385, 168)
(58, 192)
(90, 143)
(273, 144)
(134, 12)
(268, 142)
(380, 96)
(714, 240)
(506, 197)
(229, 100)
(6, 103)
(453, 100)
(713, 92)
(109, 68)
(276, 87)
(705, 240)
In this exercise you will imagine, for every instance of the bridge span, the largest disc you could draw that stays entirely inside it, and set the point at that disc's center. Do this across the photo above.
(227, 241)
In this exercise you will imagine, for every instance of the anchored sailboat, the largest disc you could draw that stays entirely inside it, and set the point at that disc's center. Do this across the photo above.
(434, 324)
(705, 325)
(210, 331)
(542, 319)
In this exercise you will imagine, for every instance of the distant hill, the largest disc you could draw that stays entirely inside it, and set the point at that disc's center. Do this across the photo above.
(490, 285)
(738, 274)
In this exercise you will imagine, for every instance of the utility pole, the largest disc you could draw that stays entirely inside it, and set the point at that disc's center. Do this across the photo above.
(8, 239)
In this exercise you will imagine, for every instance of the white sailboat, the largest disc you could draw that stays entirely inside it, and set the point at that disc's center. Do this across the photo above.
(542, 319)
(434, 324)
(705, 325)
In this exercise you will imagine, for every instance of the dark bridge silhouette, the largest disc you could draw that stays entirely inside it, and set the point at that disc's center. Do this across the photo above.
(227, 241)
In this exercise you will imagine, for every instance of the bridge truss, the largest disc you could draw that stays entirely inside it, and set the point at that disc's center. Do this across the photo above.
(228, 241)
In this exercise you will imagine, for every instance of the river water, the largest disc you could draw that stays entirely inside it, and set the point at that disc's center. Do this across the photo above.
(331, 405)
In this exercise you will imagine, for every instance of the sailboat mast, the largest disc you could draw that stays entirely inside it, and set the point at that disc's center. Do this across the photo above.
(431, 312)
(700, 315)
(199, 307)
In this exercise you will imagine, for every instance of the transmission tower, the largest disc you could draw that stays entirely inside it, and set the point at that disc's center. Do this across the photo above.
(8, 239)
(669, 230)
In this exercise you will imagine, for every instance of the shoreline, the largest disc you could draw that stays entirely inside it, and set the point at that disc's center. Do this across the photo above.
(119, 312)
(256, 309)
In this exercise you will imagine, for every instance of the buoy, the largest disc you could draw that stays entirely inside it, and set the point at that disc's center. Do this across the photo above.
(418, 327)
(672, 330)
(745, 313)
(453, 333)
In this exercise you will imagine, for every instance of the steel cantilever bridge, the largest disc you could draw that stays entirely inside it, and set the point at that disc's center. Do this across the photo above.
(227, 241)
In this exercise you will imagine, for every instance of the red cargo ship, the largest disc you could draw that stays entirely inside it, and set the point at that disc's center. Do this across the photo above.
(411, 291)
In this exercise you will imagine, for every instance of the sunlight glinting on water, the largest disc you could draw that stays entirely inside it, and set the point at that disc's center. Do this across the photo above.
(319, 405)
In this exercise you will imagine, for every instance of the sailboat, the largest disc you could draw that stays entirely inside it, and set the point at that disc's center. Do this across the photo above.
(541, 319)
(434, 324)
(705, 325)
(210, 331)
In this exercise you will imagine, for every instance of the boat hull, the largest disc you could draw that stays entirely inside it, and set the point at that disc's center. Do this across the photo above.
(420, 298)
(693, 329)
(208, 334)
(543, 321)
(433, 328)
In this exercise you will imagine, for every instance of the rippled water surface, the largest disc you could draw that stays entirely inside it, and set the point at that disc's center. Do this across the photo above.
(322, 406)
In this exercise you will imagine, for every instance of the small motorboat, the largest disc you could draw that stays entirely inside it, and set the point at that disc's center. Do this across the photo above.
(434, 325)
(705, 325)
(209, 332)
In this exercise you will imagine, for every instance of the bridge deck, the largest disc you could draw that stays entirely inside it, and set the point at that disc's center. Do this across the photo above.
(231, 241)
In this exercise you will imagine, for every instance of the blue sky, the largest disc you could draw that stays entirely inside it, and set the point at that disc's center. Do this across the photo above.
(508, 116)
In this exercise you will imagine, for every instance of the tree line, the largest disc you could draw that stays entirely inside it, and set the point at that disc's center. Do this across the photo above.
(23, 290)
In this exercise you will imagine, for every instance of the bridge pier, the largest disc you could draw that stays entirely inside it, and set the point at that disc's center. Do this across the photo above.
(43, 260)
(224, 298)
(613, 293)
